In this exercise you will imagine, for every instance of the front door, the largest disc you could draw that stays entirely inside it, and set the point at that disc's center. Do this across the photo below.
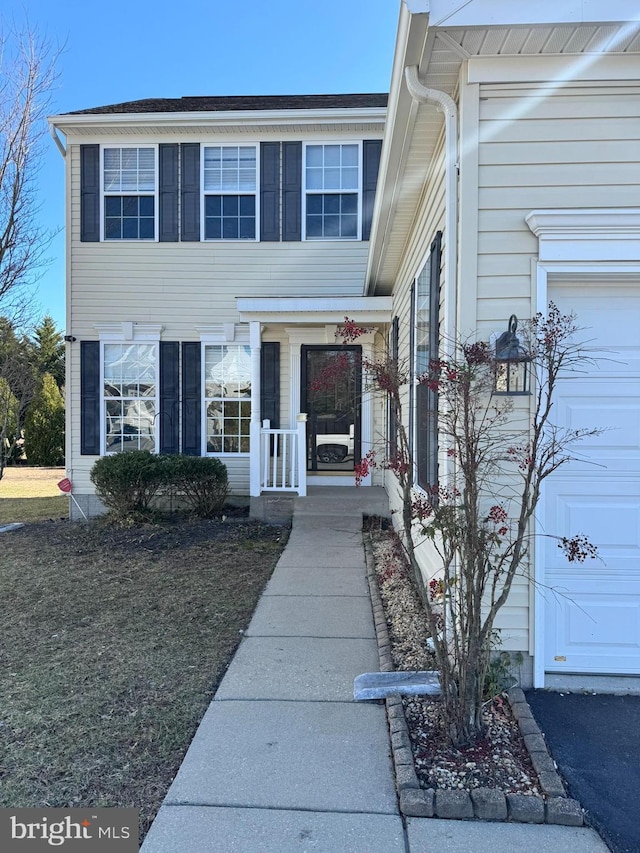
(331, 390)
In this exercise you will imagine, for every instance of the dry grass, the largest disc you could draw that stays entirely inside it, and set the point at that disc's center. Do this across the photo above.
(22, 482)
(113, 643)
(32, 494)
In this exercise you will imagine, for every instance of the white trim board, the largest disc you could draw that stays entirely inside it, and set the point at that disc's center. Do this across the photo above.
(583, 243)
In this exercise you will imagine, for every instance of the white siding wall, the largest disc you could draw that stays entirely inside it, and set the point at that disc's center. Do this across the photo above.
(184, 285)
(429, 220)
(542, 147)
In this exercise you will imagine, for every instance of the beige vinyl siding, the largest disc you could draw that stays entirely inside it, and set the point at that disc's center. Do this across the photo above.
(428, 221)
(542, 147)
(545, 146)
(185, 285)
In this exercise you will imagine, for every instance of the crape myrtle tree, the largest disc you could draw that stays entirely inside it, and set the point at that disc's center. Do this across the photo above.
(479, 517)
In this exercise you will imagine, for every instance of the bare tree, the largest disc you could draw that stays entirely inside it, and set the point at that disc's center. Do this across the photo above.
(27, 74)
(479, 516)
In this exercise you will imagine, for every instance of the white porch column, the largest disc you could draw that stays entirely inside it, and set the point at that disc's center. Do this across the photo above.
(366, 409)
(255, 335)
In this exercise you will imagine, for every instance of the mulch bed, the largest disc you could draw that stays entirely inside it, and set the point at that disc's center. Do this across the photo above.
(500, 760)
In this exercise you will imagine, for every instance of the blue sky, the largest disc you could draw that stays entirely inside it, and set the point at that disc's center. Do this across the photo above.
(129, 49)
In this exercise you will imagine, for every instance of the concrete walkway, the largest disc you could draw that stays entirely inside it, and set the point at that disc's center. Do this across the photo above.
(284, 760)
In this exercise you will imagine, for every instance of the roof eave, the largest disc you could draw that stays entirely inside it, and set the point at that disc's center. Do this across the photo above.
(343, 115)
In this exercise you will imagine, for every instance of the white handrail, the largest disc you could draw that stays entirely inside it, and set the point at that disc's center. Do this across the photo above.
(283, 458)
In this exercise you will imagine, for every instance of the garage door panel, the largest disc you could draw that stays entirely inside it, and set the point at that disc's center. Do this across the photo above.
(592, 610)
(594, 631)
(608, 514)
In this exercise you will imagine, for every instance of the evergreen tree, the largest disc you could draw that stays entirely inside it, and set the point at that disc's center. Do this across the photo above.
(44, 425)
(48, 346)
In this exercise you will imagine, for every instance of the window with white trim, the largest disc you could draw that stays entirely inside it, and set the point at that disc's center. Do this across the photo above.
(130, 396)
(227, 397)
(129, 193)
(230, 188)
(332, 191)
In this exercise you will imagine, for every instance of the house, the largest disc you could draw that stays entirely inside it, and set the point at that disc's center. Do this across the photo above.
(215, 246)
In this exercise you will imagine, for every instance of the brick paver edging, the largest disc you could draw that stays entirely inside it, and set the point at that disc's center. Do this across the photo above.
(481, 803)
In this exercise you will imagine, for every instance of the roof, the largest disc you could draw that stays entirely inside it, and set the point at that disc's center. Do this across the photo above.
(216, 103)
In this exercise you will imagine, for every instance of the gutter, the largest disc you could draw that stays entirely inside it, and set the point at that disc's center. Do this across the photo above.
(57, 140)
(422, 95)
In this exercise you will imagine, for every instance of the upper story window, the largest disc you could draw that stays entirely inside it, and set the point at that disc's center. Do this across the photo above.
(230, 185)
(129, 187)
(129, 396)
(332, 192)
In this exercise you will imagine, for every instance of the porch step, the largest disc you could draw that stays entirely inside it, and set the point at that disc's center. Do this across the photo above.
(272, 508)
(378, 685)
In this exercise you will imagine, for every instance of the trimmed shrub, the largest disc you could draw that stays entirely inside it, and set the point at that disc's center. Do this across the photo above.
(126, 483)
(201, 481)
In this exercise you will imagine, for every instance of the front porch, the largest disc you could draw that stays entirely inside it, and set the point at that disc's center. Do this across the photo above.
(321, 501)
(298, 437)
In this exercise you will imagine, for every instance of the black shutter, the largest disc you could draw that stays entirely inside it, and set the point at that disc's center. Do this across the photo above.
(169, 415)
(90, 193)
(292, 191)
(191, 398)
(90, 398)
(370, 165)
(269, 191)
(270, 383)
(168, 196)
(412, 365)
(434, 346)
(392, 413)
(190, 192)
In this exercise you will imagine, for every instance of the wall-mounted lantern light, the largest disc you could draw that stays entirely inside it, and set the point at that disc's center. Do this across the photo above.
(512, 363)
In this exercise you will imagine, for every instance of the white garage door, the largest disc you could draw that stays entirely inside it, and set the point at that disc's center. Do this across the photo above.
(592, 610)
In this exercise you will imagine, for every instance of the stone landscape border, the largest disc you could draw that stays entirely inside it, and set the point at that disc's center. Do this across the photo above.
(481, 803)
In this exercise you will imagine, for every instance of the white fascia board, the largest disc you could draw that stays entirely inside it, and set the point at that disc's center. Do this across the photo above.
(411, 49)
(553, 68)
(310, 310)
(241, 118)
(418, 7)
(499, 13)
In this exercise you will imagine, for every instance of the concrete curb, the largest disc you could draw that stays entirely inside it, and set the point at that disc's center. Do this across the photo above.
(482, 803)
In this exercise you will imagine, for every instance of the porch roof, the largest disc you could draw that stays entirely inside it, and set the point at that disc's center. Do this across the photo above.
(314, 310)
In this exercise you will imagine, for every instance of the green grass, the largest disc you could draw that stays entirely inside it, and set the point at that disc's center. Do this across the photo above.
(113, 643)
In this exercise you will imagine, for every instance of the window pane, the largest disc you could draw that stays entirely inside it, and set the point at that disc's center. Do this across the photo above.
(349, 179)
(247, 205)
(332, 179)
(331, 203)
(314, 155)
(349, 203)
(213, 205)
(314, 179)
(247, 228)
(331, 226)
(230, 229)
(230, 205)
(314, 204)
(332, 155)
(314, 226)
(349, 155)
(349, 226)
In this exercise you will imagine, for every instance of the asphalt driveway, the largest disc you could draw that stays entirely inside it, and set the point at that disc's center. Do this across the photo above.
(595, 741)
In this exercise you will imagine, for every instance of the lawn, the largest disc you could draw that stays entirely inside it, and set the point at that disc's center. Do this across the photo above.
(32, 494)
(113, 642)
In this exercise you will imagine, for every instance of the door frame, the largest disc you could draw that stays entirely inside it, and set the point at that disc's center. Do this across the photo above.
(304, 391)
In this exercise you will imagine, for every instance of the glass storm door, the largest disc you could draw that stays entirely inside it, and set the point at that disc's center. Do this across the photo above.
(331, 389)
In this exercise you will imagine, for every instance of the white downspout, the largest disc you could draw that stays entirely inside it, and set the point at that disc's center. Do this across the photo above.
(447, 105)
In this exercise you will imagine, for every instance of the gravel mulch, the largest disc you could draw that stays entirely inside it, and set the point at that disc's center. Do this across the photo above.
(500, 760)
